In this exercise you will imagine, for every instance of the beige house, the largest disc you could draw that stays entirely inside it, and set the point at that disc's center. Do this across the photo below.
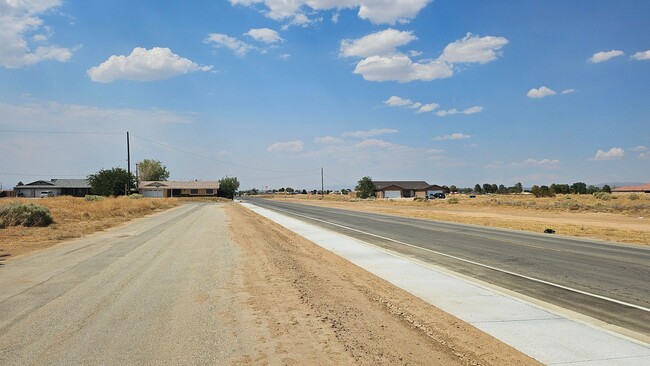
(405, 189)
(176, 188)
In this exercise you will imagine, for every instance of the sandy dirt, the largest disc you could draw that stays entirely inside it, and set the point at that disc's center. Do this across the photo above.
(321, 309)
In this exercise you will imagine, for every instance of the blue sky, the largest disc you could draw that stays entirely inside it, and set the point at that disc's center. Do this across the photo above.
(451, 92)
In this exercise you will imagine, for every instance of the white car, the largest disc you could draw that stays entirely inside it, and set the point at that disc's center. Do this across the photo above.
(46, 194)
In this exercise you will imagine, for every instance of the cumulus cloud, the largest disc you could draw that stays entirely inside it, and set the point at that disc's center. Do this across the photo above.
(428, 107)
(369, 133)
(375, 11)
(376, 44)
(645, 155)
(401, 68)
(21, 21)
(415, 105)
(644, 55)
(382, 61)
(613, 153)
(605, 56)
(374, 143)
(639, 148)
(328, 140)
(144, 65)
(453, 136)
(396, 101)
(449, 112)
(473, 48)
(568, 91)
(265, 35)
(540, 93)
(289, 146)
(222, 40)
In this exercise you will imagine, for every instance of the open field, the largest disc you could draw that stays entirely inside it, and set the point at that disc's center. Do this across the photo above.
(73, 218)
(621, 218)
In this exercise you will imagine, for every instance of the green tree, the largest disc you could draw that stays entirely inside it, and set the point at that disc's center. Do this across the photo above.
(503, 189)
(607, 188)
(365, 188)
(228, 187)
(519, 188)
(579, 188)
(149, 169)
(453, 188)
(111, 182)
(477, 188)
(289, 190)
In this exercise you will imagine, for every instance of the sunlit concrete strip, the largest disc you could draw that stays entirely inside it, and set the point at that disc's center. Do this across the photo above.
(550, 338)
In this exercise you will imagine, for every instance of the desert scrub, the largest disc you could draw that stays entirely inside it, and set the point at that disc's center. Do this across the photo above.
(135, 196)
(92, 197)
(15, 214)
(633, 197)
(452, 200)
(602, 196)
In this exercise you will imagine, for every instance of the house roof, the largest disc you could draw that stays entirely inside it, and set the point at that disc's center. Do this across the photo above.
(406, 184)
(641, 188)
(57, 183)
(179, 184)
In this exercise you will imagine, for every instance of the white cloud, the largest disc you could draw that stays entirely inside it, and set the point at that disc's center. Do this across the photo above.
(453, 136)
(376, 44)
(540, 93)
(644, 55)
(644, 155)
(415, 105)
(428, 107)
(144, 65)
(449, 112)
(369, 133)
(542, 162)
(19, 20)
(328, 140)
(265, 35)
(613, 153)
(396, 101)
(383, 62)
(530, 162)
(373, 143)
(289, 146)
(605, 56)
(376, 11)
(568, 91)
(639, 148)
(285, 56)
(473, 49)
(390, 11)
(222, 40)
(399, 67)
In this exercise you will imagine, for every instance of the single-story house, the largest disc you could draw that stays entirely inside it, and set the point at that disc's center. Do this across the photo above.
(405, 189)
(176, 188)
(54, 187)
(645, 188)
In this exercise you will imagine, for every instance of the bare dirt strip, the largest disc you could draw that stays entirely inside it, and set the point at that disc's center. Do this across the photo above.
(322, 309)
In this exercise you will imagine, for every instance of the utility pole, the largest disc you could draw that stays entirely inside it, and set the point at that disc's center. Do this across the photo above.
(128, 165)
(322, 186)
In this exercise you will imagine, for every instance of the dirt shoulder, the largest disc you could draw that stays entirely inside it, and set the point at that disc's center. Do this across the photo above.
(623, 228)
(322, 309)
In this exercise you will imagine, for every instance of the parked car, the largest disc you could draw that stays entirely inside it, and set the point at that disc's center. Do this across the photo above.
(46, 194)
(437, 195)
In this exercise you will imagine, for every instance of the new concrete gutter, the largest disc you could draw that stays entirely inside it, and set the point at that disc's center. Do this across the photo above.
(549, 336)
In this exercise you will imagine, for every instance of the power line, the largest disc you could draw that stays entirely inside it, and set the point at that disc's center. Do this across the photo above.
(220, 161)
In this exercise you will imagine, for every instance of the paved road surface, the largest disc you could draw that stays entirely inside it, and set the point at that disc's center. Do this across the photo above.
(143, 294)
(617, 272)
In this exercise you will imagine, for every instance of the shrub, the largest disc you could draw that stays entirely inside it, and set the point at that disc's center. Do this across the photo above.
(453, 200)
(92, 197)
(15, 214)
(602, 195)
(135, 196)
(633, 197)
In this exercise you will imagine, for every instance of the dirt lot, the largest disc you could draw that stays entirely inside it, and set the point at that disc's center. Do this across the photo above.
(324, 310)
(618, 219)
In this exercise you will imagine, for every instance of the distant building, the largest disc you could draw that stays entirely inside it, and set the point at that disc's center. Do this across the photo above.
(54, 187)
(645, 188)
(175, 188)
(405, 189)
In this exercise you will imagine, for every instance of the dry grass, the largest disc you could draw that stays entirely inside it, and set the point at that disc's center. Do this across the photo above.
(618, 218)
(74, 218)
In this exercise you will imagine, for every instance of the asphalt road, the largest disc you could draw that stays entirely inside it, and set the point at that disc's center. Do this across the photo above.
(606, 281)
(152, 292)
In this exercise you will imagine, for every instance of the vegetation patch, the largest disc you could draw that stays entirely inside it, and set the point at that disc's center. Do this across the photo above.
(21, 214)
